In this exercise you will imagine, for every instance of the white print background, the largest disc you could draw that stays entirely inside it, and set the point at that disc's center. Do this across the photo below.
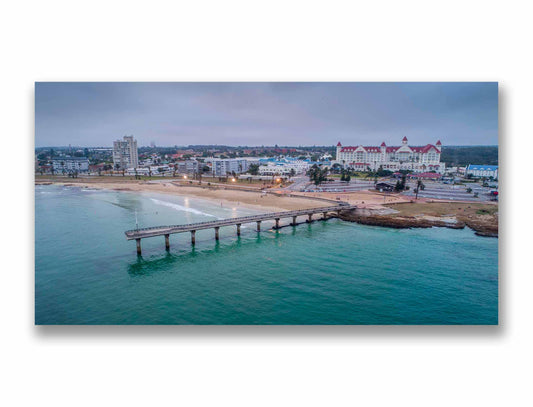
(265, 366)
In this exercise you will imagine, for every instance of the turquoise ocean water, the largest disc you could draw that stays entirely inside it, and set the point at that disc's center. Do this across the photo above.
(331, 272)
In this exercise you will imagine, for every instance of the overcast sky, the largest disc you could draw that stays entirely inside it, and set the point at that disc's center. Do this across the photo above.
(95, 114)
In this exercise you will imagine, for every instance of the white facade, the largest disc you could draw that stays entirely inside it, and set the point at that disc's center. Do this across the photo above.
(187, 167)
(222, 167)
(393, 158)
(283, 166)
(482, 171)
(70, 164)
(125, 154)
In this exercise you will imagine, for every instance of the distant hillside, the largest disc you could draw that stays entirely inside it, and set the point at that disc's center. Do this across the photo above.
(464, 155)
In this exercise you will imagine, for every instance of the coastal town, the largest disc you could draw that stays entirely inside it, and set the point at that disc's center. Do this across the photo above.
(397, 186)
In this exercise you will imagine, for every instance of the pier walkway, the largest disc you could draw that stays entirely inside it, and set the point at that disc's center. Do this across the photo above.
(143, 233)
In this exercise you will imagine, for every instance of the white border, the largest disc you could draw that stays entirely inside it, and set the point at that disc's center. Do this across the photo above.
(238, 40)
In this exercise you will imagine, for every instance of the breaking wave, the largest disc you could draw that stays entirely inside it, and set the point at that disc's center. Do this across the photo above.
(180, 207)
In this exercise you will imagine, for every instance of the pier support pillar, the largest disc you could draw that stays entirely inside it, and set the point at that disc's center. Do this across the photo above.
(277, 223)
(216, 233)
(310, 217)
(138, 246)
(325, 214)
(238, 229)
(167, 242)
(193, 237)
(293, 221)
(259, 226)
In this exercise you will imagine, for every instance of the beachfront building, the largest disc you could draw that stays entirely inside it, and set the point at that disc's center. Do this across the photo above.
(287, 165)
(187, 167)
(125, 154)
(70, 164)
(482, 170)
(221, 167)
(392, 158)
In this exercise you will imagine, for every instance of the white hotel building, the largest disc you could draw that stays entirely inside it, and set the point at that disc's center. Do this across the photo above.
(393, 158)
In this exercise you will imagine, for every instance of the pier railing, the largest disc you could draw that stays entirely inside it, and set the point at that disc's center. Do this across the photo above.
(160, 230)
(166, 231)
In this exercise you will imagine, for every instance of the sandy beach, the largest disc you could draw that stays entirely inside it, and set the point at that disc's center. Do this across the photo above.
(245, 198)
(391, 210)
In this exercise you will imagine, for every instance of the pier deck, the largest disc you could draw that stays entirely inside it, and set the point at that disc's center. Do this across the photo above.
(143, 233)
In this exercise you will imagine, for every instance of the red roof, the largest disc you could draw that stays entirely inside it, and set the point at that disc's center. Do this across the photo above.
(372, 149)
(424, 149)
(425, 175)
(439, 143)
(391, 149)
(404, 138)
(339, 144)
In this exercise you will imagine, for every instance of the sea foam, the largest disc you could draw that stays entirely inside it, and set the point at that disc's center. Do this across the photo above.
(180, 207)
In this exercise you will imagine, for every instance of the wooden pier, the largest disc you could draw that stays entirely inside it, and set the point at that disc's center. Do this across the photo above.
(166, 231)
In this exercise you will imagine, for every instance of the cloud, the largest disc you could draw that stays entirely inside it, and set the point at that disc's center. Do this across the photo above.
(95, 114)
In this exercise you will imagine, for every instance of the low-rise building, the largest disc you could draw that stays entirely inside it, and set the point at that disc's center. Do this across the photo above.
(425, 175)
(384, 187)
(482, 170)
(70, 164)
(187, 167)
(224, 166)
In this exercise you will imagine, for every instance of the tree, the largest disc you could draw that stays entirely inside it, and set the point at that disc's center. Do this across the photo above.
(317, 175)
(400, 185)
(419, 186)
(292, 173)
(254, 169)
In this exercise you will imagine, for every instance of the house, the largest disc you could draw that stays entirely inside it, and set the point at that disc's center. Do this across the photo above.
(384, 187)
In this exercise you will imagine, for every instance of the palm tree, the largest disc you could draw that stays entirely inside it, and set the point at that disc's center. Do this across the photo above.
(419, 185)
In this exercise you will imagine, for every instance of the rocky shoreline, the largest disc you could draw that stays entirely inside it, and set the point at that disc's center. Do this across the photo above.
(393, 220)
